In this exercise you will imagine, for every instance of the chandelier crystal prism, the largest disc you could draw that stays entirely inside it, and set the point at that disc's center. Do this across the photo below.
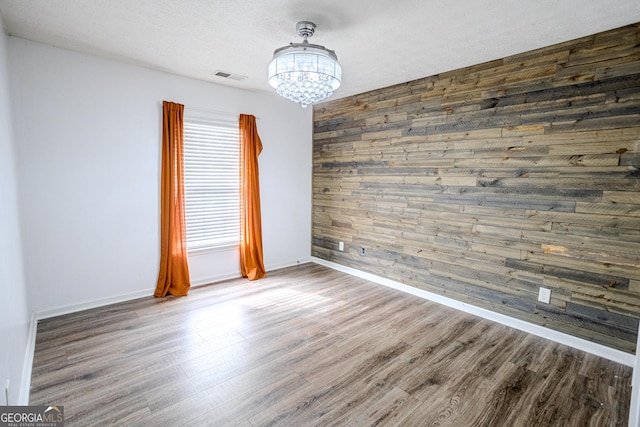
(303, 72)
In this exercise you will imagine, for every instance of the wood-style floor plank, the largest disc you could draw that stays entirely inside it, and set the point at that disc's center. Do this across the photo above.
(310, 346)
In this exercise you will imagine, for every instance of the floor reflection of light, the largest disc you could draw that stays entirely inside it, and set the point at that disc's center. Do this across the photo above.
(283, 297)
(217, 325)
(222, 332)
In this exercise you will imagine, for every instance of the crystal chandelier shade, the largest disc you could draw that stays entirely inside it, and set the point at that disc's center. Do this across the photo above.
(305, 73)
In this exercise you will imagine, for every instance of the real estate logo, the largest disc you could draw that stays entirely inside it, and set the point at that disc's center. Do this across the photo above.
(31, 416)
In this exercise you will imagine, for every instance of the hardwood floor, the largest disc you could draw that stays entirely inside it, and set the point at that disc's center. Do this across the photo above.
(310, 346)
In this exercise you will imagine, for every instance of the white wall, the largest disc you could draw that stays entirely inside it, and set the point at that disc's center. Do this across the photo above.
(88, 136)
(14, 304)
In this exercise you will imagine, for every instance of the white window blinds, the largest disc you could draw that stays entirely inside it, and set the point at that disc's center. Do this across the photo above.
(211, 181)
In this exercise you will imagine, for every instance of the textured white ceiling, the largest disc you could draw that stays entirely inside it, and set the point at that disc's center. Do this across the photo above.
(378, 42)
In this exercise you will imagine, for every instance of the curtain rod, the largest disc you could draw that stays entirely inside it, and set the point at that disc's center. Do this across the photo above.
(224, 113)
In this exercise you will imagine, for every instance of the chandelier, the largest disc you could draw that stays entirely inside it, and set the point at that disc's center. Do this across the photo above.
(302, 72)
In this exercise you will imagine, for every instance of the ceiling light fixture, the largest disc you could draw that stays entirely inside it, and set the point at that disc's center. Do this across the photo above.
(303, 72)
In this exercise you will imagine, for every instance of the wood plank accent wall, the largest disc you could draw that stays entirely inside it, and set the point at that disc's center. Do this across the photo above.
(486, 183)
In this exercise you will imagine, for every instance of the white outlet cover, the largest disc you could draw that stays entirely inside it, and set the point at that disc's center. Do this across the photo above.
(544, 295)
(341, 246)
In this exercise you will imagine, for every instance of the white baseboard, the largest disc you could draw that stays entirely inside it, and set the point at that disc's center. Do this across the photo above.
(285, 264)
(214, 279)
(634, 409)
(67, 309)
(269, 267)
(73, 308)
(27, 365)
(550, 334)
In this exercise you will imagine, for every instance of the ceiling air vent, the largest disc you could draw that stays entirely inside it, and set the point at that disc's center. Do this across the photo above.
(231, 76)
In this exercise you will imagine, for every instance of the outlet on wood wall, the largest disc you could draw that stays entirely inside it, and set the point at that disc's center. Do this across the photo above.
(486, 183)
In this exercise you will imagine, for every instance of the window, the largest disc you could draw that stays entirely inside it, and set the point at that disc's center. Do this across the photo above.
(211, 180)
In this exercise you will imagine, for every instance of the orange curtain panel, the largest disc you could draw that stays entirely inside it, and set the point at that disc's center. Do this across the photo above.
(251, 259)
(173, 277)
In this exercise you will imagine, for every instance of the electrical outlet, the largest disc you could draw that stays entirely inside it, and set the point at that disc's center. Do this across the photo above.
(544, 295)
(361, 251)
(341, 246)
